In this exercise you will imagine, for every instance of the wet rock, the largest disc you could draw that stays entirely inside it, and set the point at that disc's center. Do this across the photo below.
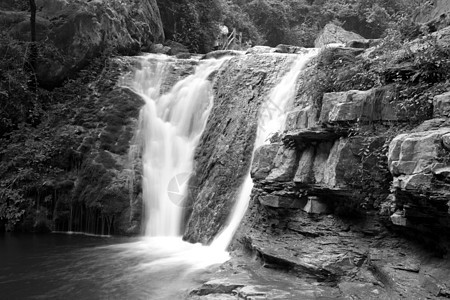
(280, 201)
(263, 160)
(284, 165)
(446, 141)
(437, 17)
(442, 173)
(301, 119)
(288, 49)
(175, 48)
(222, 53)
(432, 285)
(315, 163)
(408, 265)
(184, 55)
(361, 290)
(252, 293)
(418, 163)
(260, 50)
(217, 287)
(212, 297)
(159, 48)
(224, 153)
(362, 44)
(413, 155)
(340, 166)
(365, 106)
(441, 105)
(315, 134)
(332, 34)
(305, 173)
(414, 182)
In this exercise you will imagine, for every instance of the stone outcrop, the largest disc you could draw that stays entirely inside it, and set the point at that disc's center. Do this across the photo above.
(324, 198)
(74, 32)
(363, 106)
(225, 149)
(420, 166)
(437, 16)
(333, 34)
(441, 106)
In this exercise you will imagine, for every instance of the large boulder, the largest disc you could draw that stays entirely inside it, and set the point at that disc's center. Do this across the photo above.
(414, 157)
(437, 14)
(74, 32)
(333, 34)
(263, 158)
(441, 105)
(419, 163)
(365, 106)
(284, 164)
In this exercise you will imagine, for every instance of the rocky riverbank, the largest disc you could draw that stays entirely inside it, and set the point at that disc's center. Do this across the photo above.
(352, 193)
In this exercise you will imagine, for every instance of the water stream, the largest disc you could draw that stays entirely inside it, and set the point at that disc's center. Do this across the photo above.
(271, 119)
(159, 265)
(170, 126)
(169, 129)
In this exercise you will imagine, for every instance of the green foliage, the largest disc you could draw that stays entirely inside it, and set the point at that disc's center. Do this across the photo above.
(423, 74)
(273, 22)
(271, 17)
(191, 23)
(18, 102)
(235, 17)
(12, 205)
(38, 144)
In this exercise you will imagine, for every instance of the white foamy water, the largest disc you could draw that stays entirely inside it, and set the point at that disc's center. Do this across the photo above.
(272, 119)
(170, 126)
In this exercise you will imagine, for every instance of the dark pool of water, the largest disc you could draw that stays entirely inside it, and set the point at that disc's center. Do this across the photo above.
(59, 266)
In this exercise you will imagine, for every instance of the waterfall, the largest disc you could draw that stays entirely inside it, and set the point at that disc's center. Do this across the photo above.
(272, 118)
(170, 126)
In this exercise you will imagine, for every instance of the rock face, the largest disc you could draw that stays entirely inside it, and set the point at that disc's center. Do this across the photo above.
(332, 34)
(225, 149)
(441, 106)
(420, 166)
(437, 14)
(323, 198)
(351, 106)
(74, 32)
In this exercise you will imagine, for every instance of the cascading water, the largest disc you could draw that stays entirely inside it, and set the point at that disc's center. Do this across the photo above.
(271, 120)
(170, 128)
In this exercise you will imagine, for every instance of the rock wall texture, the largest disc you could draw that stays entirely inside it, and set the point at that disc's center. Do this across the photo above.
(437, 14)
(73, 32)
(225, 149)
(351, 194)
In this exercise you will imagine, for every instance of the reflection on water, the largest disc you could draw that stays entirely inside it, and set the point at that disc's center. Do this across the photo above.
(78, 267)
